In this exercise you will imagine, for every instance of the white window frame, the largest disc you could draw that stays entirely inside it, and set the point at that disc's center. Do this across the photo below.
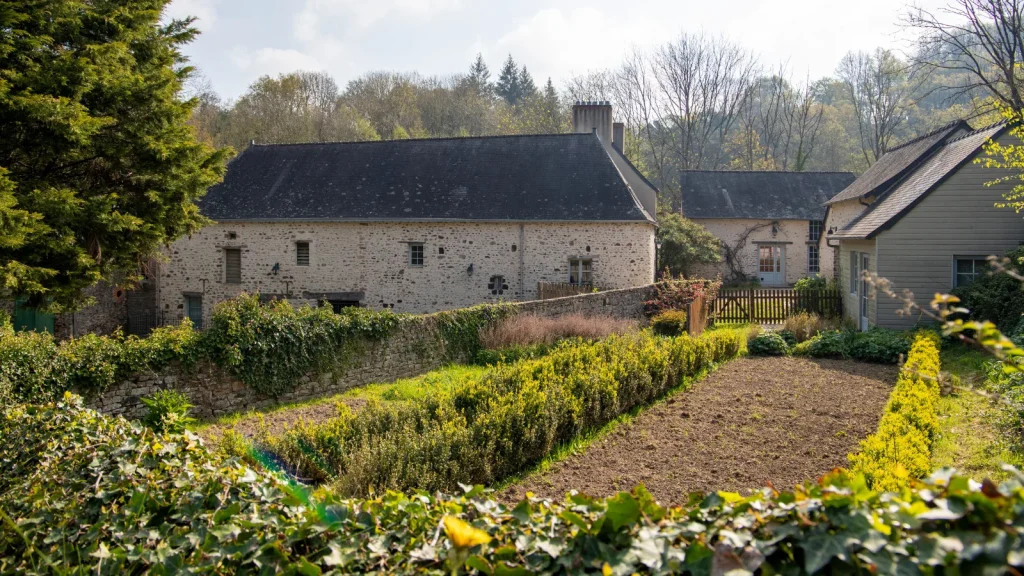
(422, 254)
(816, 268)
(583, 267)
(814, 229)
(854, 272)
(975, 273)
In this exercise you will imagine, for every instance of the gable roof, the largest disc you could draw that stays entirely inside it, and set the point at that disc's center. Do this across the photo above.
(896, 162)
(759, 195)
(563, 177)
(888, 209)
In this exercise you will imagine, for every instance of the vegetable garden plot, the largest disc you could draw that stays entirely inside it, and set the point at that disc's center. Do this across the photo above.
(754, 421)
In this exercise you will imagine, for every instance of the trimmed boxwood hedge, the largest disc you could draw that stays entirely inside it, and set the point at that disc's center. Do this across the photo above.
(900, 450)
(82, 493)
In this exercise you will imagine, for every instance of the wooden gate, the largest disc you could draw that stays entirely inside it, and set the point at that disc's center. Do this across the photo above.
(773, 305)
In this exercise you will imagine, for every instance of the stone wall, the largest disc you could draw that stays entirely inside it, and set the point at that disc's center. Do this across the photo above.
(792, 235)
(370, 263)
(414, 349)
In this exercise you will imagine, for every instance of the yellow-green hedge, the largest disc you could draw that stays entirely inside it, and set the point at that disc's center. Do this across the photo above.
(900, 451)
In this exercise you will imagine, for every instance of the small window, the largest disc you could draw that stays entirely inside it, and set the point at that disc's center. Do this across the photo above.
(194, 311)
(302, 253)
(581, 272)
(813, 259)
(497, 285)
(416, 254)
(814, 230)
(854, 272)
(233, 265)
(969, 269)
(440, 250)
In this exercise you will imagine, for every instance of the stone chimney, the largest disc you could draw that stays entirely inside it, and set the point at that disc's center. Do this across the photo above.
(619, 137)
(593, 117)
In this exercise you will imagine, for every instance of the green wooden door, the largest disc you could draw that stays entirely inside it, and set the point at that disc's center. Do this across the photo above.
(31, 320)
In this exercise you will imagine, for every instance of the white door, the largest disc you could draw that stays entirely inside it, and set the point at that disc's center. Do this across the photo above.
(863, 291)
(770, 265)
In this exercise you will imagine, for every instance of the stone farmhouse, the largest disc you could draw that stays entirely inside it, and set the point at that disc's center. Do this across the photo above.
(921, 217)
(419, 225)
(769, 223)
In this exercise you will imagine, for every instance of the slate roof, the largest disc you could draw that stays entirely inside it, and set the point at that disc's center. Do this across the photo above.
(929, 174)
(897, 162)
(760, 195)
(565, 177)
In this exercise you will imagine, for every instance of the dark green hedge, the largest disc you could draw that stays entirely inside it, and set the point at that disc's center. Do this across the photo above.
(269, 347)
(86, 494)
(877, 345)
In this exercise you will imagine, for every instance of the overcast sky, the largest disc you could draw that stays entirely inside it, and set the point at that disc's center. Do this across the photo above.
(244, 39)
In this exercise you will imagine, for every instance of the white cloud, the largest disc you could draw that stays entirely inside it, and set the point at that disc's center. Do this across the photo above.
(273, 61)
(205, 12)
(365, 13)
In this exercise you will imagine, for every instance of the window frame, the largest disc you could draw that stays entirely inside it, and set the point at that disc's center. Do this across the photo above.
(814, 230)
(413, 246)
(227, 277)
(974, 265)
(583, 267)
(298, 254)
(189, 300)
(813, 256)
(854, 272)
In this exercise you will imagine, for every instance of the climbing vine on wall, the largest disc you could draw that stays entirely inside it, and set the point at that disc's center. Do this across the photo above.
(732, 254)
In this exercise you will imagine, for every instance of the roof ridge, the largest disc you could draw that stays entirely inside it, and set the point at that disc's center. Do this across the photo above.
(991, 126)
(431, 139)
(943, 128)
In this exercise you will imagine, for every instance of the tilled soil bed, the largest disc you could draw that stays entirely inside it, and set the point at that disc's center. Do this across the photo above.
(754, 421)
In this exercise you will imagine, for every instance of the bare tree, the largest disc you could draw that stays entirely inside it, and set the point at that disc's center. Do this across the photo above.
(982, 39)
(804, 116)
(704, 81)
(591, 86)
(881, 88)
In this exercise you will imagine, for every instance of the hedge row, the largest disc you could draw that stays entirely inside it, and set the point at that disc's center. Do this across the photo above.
(269, 347)
(82, 493)
(489, 429)
(901, 448)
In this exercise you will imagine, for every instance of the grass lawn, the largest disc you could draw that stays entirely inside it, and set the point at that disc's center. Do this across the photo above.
(278, 418)
(970, 439)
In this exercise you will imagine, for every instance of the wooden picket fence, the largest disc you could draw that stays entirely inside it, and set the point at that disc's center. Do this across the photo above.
(773, 305)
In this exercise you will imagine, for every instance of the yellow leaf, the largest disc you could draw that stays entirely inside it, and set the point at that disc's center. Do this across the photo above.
(877, 524)
(463, 535)
(731, 497)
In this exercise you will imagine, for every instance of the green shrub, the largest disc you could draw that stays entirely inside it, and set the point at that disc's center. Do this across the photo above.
(768, 344)
(996, 297)
(87, 494)
(167, 411)
(879, 345)
(900, 451)
(497, 425)
(669, 323)
(811, 283)
(789, 337)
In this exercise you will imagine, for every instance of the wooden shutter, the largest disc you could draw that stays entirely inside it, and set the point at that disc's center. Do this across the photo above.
(233, 266)
(302, 253)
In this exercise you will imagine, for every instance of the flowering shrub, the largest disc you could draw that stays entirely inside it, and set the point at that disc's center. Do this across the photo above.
(513, 416)
(901, 448)
(83, 493)
(678, 294)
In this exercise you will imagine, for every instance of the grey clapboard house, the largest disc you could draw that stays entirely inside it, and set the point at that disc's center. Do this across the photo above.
(924, 218)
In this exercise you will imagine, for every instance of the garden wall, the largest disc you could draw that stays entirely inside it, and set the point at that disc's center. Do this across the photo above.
(414, 348)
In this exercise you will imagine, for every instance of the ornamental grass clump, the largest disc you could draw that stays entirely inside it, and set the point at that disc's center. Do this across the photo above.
(82, 493)
(900, 451)
(498, 425)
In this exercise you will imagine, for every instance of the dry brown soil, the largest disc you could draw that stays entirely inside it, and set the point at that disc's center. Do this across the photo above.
(754, 421)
